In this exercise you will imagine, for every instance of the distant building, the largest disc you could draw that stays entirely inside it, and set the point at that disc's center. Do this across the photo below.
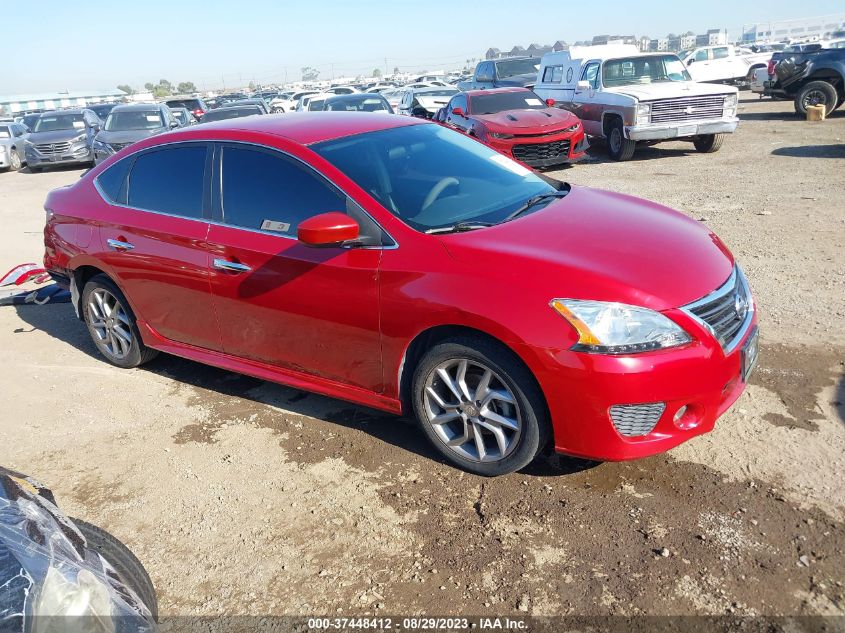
(42, 101)
(801, 29)
(643, 43)
(492, 53)
(659, 44)
(713, 37)
(686, 41)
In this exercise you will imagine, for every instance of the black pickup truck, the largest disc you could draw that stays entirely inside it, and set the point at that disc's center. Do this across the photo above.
(814, 77)
(503, 73)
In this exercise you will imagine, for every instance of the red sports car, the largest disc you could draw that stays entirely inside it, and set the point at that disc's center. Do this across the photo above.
(401, 265)
(516, 122)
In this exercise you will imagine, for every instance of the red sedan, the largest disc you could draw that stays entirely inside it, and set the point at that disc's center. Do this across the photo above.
(516, 122)
(398, 264)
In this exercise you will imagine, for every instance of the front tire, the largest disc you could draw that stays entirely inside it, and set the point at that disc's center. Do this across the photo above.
(479, 406)
(816, 93)
(111, 324)
(125, 563)
(619, 147)
(709, 143)
(15, 160)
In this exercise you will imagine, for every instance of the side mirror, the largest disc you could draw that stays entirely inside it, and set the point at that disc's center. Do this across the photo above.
(690, 61)
(582, 86)
(550, 103)
(327, 229)
(94, 126)
(458, 111)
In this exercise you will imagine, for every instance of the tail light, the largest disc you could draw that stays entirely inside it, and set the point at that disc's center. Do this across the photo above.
(771, 68)
(198, 112)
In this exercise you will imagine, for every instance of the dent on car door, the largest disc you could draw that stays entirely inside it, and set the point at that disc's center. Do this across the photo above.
(279, 302)
(153, 240)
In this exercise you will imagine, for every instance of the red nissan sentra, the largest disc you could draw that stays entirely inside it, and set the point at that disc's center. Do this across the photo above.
(404, 266)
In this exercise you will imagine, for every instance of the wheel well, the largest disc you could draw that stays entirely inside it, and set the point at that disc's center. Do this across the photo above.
(826, 75)
(427, 339)
(81, 276)
(607, 120)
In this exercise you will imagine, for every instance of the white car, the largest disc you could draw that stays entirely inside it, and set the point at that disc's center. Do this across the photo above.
(424, 102)
(724, 64)
(758, 80)
(288, 103)
(313, 102)
(342, 90)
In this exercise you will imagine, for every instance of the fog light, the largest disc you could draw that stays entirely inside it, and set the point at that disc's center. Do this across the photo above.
(680, 413)
(688, 416)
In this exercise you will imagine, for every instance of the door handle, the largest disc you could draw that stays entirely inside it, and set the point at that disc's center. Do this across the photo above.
(232, 267)
(117, 245)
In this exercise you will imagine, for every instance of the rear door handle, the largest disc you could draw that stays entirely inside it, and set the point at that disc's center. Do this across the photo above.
(117, 245)
(233, 267)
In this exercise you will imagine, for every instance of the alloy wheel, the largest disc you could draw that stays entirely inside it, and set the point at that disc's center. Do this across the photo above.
(109, 323)
(472, 410)
(815, 97)
(15, 160)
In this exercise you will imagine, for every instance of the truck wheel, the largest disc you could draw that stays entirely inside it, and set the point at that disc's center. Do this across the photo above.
(619, 147)
(708, 143)
(15, 160)
(816, 93)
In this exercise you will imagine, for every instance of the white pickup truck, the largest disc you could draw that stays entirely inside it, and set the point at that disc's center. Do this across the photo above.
(723, 64)
(627, 97)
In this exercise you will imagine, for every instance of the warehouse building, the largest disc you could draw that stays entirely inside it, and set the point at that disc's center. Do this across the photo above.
(804, 29)
(39, 102)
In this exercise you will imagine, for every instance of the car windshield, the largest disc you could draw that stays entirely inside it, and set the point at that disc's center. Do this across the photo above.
(432, 177)
(513, 67)
(502, 101)
(133, 120)
(433, 92)
(647, 69)
(4, 132)
(56, 122)
(316, 105)
(356, 103)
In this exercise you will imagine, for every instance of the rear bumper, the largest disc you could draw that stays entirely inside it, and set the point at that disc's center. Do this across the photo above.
(581, 388)
(657, 132)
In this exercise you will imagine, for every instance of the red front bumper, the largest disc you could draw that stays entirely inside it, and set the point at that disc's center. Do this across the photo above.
(580, 388)
(533, 150)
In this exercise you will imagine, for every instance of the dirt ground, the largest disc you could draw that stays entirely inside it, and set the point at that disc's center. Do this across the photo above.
(244, 497)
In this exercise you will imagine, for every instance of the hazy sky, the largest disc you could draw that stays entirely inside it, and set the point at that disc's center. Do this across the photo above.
(65, 44)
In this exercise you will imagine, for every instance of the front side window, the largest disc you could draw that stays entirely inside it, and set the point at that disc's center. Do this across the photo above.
(701, 56)
(169, 180)
(647, 69)
(432, 177)
(264, 190)
(720, 52)
(591, 74)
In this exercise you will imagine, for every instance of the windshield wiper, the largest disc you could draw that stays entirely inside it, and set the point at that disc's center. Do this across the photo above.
(533, 201)
(459, 227)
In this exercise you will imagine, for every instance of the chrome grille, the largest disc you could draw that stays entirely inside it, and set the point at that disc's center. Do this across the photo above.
(633, 420)
(687, 109)
(541, 151)
(53, 148)
(726, 312)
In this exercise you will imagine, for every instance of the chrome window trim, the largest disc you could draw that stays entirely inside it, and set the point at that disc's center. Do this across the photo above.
(736, 277)
(209, 221)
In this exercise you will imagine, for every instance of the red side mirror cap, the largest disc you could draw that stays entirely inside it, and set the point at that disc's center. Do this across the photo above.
(327, 229)
(458, 111)
(550, 103)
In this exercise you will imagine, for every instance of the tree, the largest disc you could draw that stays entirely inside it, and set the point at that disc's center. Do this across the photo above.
(376, 72)
(186, 87)
(126, 88)
(252, 86)
(396, 70)
(149, 86)
(309, 73)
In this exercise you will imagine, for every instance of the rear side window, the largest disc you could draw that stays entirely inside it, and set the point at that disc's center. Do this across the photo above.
(264, 190)
(112, 181)
(553, 74)
(169, 181)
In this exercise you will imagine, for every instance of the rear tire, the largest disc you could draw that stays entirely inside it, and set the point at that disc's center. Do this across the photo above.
(619, 147)
(125, 563)
(816, 93)
(111, 324)
(493, 427)
(709, 143)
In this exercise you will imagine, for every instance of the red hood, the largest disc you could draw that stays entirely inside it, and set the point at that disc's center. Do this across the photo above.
(605, 246)
(527, 120)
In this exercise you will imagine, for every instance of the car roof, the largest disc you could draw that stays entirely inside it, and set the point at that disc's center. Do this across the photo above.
(68, 111)
(310, 127)
(136, 107)
(354, 96)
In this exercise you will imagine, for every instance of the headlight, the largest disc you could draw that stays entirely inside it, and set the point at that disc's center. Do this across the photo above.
(80, 139)
(729, 107)
(500, 135)
(103, 147)
(616, 328)
(643, 113)
(77, 594)
(572, 128)
(2, 149)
